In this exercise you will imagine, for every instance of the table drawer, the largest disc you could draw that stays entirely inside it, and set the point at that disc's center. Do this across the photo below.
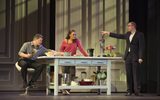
(99, 62)
(83, 62)
(66, 62)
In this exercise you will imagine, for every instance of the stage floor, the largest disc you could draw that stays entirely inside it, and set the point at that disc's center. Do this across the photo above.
(74, 96)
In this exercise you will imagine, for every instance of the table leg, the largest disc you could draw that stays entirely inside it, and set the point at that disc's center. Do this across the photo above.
(56, 77)
(99, 90)
(47, 79)
(108, 77)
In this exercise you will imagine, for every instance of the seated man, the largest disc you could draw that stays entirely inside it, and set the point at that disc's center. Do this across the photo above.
(28, 54)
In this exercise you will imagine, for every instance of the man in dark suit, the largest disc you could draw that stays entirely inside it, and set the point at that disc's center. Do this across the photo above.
(133, 56)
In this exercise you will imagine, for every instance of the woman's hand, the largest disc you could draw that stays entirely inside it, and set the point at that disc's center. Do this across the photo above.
(77, 54)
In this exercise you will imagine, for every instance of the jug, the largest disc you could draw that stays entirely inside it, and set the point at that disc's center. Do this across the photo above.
(83, 76)
(65, 79)
(90, 52)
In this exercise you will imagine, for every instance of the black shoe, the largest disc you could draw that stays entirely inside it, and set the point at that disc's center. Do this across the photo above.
(138, 94)
(31, 85)
(128, 94)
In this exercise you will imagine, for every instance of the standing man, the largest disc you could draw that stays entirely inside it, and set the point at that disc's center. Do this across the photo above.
(28, 54)
(133, 56)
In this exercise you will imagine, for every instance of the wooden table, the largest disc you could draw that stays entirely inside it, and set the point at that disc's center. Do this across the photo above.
(58, 61)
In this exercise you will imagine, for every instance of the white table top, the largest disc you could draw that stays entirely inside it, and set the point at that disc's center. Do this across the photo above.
(80, 57)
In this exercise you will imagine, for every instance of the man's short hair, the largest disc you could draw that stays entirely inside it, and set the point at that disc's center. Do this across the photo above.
(133, 23)
(37, 36)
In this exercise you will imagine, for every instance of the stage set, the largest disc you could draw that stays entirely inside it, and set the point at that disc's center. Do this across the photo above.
(79, 49)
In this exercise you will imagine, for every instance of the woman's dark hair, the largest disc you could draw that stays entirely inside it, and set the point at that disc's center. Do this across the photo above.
(68, 35)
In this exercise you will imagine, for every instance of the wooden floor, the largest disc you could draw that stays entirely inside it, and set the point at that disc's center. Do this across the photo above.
(74, 96)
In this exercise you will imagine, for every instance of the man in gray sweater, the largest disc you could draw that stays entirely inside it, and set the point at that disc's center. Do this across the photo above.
(28, 54)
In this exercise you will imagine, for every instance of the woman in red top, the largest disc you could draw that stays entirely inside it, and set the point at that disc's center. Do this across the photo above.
(71, 44)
